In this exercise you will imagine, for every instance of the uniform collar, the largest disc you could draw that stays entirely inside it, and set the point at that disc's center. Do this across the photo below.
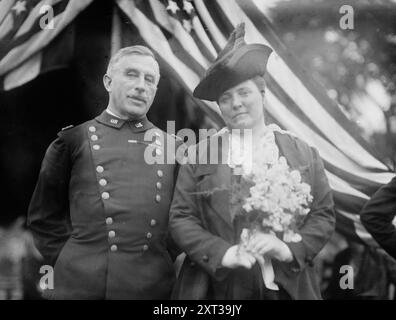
(115, 122)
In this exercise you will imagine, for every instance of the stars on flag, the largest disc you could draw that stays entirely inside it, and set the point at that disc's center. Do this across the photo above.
(19, 7)
(183, 10)
(188, 7)
(172, 6)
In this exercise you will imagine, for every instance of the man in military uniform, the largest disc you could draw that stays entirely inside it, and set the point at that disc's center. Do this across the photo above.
(99, 213)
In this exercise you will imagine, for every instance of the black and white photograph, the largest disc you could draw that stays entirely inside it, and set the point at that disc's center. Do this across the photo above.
(204, 150)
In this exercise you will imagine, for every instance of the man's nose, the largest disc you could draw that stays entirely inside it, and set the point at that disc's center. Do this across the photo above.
(140, 85)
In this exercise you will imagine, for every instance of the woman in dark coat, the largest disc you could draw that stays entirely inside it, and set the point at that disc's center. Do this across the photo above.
(204, 219)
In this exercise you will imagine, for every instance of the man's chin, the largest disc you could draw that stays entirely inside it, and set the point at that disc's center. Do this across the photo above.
(136, 112)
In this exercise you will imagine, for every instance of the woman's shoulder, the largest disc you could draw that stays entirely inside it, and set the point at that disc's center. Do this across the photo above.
(289, 139)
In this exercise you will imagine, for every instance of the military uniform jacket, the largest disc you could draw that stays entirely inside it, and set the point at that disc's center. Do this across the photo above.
(99, 212)
(200, 222)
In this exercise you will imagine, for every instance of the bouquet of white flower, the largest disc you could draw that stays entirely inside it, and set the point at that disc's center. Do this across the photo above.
(278, 200)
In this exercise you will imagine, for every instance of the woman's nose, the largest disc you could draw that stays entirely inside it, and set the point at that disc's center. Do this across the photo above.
(236, 102)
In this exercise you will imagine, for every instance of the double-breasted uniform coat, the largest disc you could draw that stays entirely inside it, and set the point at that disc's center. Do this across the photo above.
(200, 222)
(99, 213)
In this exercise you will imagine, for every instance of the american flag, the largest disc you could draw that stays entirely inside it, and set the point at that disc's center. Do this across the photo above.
(187, 36)
(26, 48)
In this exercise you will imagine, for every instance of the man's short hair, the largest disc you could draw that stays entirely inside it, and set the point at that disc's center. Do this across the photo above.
(132, 50)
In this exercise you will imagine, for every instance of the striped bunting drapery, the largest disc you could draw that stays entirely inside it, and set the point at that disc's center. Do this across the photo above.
(187, 35)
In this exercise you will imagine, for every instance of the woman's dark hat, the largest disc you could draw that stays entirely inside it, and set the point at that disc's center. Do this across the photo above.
(236, 63)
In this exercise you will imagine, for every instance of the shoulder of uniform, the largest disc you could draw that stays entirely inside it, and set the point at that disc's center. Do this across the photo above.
(67, 127)
(65, 130)
(72, 129)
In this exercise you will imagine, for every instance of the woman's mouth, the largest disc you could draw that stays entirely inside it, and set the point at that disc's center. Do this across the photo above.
(241, 114)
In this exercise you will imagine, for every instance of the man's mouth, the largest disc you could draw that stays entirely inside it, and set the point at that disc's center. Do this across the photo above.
(137, 99)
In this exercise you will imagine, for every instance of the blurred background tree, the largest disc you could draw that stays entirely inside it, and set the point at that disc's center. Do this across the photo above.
(357, 66)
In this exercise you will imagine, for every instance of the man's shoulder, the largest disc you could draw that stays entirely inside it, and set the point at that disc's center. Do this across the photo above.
(73, 130)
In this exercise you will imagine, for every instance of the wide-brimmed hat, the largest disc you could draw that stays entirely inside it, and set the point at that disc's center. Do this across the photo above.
(236, 63)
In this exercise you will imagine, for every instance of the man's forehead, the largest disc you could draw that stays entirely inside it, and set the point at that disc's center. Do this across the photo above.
(138, 62)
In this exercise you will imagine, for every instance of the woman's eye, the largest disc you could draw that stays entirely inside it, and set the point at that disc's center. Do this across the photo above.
(224, 99)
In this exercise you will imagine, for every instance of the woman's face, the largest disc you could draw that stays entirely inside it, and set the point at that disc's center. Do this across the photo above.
(242, 106)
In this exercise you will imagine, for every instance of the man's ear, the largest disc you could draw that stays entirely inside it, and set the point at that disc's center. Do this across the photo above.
(107, 82)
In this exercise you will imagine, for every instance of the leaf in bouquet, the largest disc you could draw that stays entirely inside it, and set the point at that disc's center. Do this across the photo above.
(240, 190)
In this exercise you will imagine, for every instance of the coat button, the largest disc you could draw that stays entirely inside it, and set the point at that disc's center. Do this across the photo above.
(145, 247)
(192, 263)
(96, 147)
(149, 235)
(159, 185)
(109, 221)
(94, 137)
(158, 152)
(160, 173)
(92, 129)
(105, 195)
(205, 258)
(102, 182)
(113, 248)
(158, 142)
(158, 198)
(153, 222)
(111, 234)
(99, 169)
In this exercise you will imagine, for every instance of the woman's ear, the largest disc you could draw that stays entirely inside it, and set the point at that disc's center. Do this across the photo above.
(107, 82)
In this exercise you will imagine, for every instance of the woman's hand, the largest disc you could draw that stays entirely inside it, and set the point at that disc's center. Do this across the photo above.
(236, 257)
(268, 244)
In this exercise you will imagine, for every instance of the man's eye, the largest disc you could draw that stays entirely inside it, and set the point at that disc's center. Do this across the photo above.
(244, 93)
(150, 80)
(132, 74)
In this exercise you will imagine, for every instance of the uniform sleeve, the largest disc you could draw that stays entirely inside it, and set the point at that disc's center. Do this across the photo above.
(188, 230)
(378, 214)
(48, 214)
(319, 224)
